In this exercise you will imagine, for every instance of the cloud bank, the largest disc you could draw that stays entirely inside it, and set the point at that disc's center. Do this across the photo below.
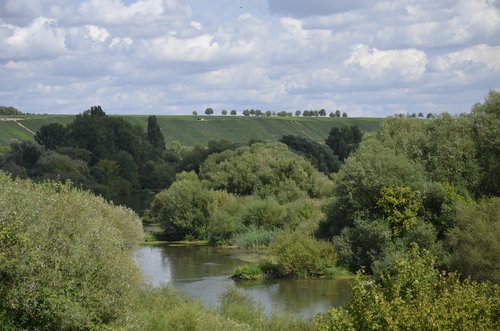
(368, 58)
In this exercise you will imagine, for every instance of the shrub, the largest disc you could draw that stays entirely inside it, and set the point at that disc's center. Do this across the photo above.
(297, 255)
(415, 295)
(254, 238)
(248, 272)
(64, 258)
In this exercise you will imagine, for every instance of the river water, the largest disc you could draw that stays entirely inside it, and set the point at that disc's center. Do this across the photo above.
(203, 273)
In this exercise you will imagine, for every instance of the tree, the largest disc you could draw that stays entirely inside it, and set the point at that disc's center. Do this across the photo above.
(209, 111)
(155, 136)
(52, 135)
(195, 113)
(297, 113)
(95, 111)
(268, 113)
(337, 113)
(182, 209)
(258, 112)
(252, 112)
(224, 112)
(322, 112)
(246, 112)
(421, 115)
(9, 111)
(344, 140)
(233, 112)
(321, 156)
(306, 113)
(344, 114)
(473, 242)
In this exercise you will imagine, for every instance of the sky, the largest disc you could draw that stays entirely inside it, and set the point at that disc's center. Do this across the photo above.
(365, 57)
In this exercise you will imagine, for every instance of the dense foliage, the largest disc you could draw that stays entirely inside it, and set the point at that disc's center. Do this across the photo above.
(242, 196)
(415, 295)
(105, 154)
(419, 181)
(321, 156)
(4, 110)
(64, 257)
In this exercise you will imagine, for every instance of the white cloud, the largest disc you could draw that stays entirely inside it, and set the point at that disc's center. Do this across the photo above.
(97, 34)
(364, 57)
(40, 39)
(406, 65)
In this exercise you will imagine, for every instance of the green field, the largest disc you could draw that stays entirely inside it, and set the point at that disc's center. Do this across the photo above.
(192, 130)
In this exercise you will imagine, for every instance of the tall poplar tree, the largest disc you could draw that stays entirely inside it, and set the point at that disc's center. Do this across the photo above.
(155, 136)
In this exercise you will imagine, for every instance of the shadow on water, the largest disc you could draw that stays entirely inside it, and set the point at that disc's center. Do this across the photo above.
(203, 273)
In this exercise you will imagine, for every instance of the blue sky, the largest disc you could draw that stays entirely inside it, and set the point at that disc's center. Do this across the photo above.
(365, 57)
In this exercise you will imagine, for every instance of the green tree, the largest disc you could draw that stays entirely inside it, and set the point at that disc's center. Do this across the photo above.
(337, 113)
(473, 242)
(224, 112)
(209, 111)
(52, 135)
(344, 140)
(399, 206)
(182, 209)
(344, 114)
(322, 112)
(233, 112)
(155, 136)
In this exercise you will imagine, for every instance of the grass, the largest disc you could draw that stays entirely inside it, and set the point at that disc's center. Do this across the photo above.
(193, 130)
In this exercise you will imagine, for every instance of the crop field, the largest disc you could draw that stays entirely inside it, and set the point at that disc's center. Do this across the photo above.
(193, 130)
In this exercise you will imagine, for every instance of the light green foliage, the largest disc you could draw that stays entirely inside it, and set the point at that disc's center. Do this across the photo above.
(64, 258)
(182, 209)
(474, 241)
(294, 254)
(165, 309)
(414, 295)
(264, 213)
(399, 206)
(225, 211)
(254, 238)
(267, 170)
(248, 272)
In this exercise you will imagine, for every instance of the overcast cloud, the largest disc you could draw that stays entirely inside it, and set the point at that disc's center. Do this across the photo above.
(368, 58)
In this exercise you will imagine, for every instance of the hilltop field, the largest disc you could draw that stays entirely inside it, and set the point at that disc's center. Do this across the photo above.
(193, 130)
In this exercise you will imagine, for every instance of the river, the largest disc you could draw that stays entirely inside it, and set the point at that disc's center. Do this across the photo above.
(203, 272)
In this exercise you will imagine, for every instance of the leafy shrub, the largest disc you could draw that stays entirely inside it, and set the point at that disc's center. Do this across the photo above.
(254, 238)
(248, 272)
(414, 295)
(64, 258)
(182, 209)
(297, 255)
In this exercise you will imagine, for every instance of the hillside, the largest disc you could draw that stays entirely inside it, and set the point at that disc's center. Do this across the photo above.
(192, 130)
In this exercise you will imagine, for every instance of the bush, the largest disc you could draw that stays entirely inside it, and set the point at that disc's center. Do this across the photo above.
(254, 238)
(182, 209)
(414, 295)
(248, 272)
(294, 254)
(64, 258)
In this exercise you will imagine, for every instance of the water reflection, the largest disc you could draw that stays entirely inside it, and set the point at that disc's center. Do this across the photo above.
(203, 273)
